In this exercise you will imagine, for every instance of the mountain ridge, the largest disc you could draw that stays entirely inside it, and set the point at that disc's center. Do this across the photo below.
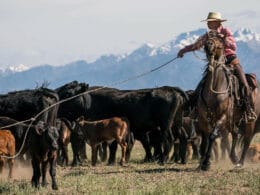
(108, 69)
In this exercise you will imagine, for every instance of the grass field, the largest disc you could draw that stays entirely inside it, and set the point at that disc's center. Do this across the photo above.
(141, 178)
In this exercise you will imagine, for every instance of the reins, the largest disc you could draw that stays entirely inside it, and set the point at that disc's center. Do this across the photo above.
(214, 64)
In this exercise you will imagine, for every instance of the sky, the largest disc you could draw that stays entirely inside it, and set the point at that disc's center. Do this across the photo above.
(57, 32)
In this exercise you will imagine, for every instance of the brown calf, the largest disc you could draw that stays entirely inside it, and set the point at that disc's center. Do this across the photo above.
(106, 130)
(253, 153)
(64, 128)
(7, 148)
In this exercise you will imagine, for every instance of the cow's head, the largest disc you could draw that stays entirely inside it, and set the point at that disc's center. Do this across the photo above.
(48, 133)
(40, 127)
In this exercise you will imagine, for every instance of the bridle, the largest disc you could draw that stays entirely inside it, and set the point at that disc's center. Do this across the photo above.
(214, 48)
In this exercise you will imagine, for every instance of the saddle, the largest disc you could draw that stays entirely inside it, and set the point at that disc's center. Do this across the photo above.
(239, 91)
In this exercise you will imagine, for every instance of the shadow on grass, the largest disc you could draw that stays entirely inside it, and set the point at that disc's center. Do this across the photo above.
(75, 173)
(161, 170)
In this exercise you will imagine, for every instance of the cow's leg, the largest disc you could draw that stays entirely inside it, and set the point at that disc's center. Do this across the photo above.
(44, 170)
(53, 173)
(147, 147)
(123, 145)
(157, 151)
(60, 155)
(112, 155)
(167, 145)
(102, 151)
(1, 164)
(183, 149)
(66, 156)
(93, 154)
(176, 152)
(75, 145)
(36, 172)
(83, 151)
(130, 145)
(196, 148)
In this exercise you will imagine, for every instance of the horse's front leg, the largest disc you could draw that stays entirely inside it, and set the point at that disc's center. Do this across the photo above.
(213, 135)
(203, 147)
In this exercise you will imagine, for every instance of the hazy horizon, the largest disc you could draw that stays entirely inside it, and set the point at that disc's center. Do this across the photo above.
(60, 31)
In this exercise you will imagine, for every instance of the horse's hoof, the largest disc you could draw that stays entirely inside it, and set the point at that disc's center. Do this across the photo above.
(183, 162)
(238, 166)
(161, 163)
(234, 160)
(55, 187)
(205, 167)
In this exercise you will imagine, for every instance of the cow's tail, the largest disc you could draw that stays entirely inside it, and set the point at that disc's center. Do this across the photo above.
(129, 139)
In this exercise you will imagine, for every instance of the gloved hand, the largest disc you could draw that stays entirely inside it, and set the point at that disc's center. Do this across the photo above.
(181, 53)
(221, 35)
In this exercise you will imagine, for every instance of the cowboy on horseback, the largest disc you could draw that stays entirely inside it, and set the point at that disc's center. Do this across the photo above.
(214, 23)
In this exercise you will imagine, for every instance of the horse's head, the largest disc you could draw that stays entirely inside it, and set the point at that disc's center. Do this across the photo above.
(214, 47)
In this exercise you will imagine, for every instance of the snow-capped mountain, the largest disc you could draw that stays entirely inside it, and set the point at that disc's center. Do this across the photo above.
(110, 69)
(13, 69)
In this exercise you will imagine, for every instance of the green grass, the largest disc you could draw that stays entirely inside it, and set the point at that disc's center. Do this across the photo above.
(143, 178)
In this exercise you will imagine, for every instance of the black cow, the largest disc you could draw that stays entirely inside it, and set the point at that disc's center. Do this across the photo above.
(25, 104)
(41, 140)
(75, 104)
(43, 150)
(147, 110)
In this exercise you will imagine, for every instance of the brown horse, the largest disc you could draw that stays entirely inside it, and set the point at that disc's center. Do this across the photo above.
(218, 112)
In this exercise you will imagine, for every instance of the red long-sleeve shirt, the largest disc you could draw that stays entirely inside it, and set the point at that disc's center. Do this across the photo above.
(230, 44)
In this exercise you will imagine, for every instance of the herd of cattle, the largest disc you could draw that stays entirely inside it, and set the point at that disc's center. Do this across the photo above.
(76, 113)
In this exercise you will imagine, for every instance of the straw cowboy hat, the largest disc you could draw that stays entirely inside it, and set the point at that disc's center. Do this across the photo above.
(214, 16)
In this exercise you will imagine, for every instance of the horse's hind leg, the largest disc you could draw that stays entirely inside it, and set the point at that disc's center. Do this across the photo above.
(225, 146)
(233, 155)
(246, 142)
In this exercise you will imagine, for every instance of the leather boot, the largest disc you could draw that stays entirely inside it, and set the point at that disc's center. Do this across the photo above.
(249, 111)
